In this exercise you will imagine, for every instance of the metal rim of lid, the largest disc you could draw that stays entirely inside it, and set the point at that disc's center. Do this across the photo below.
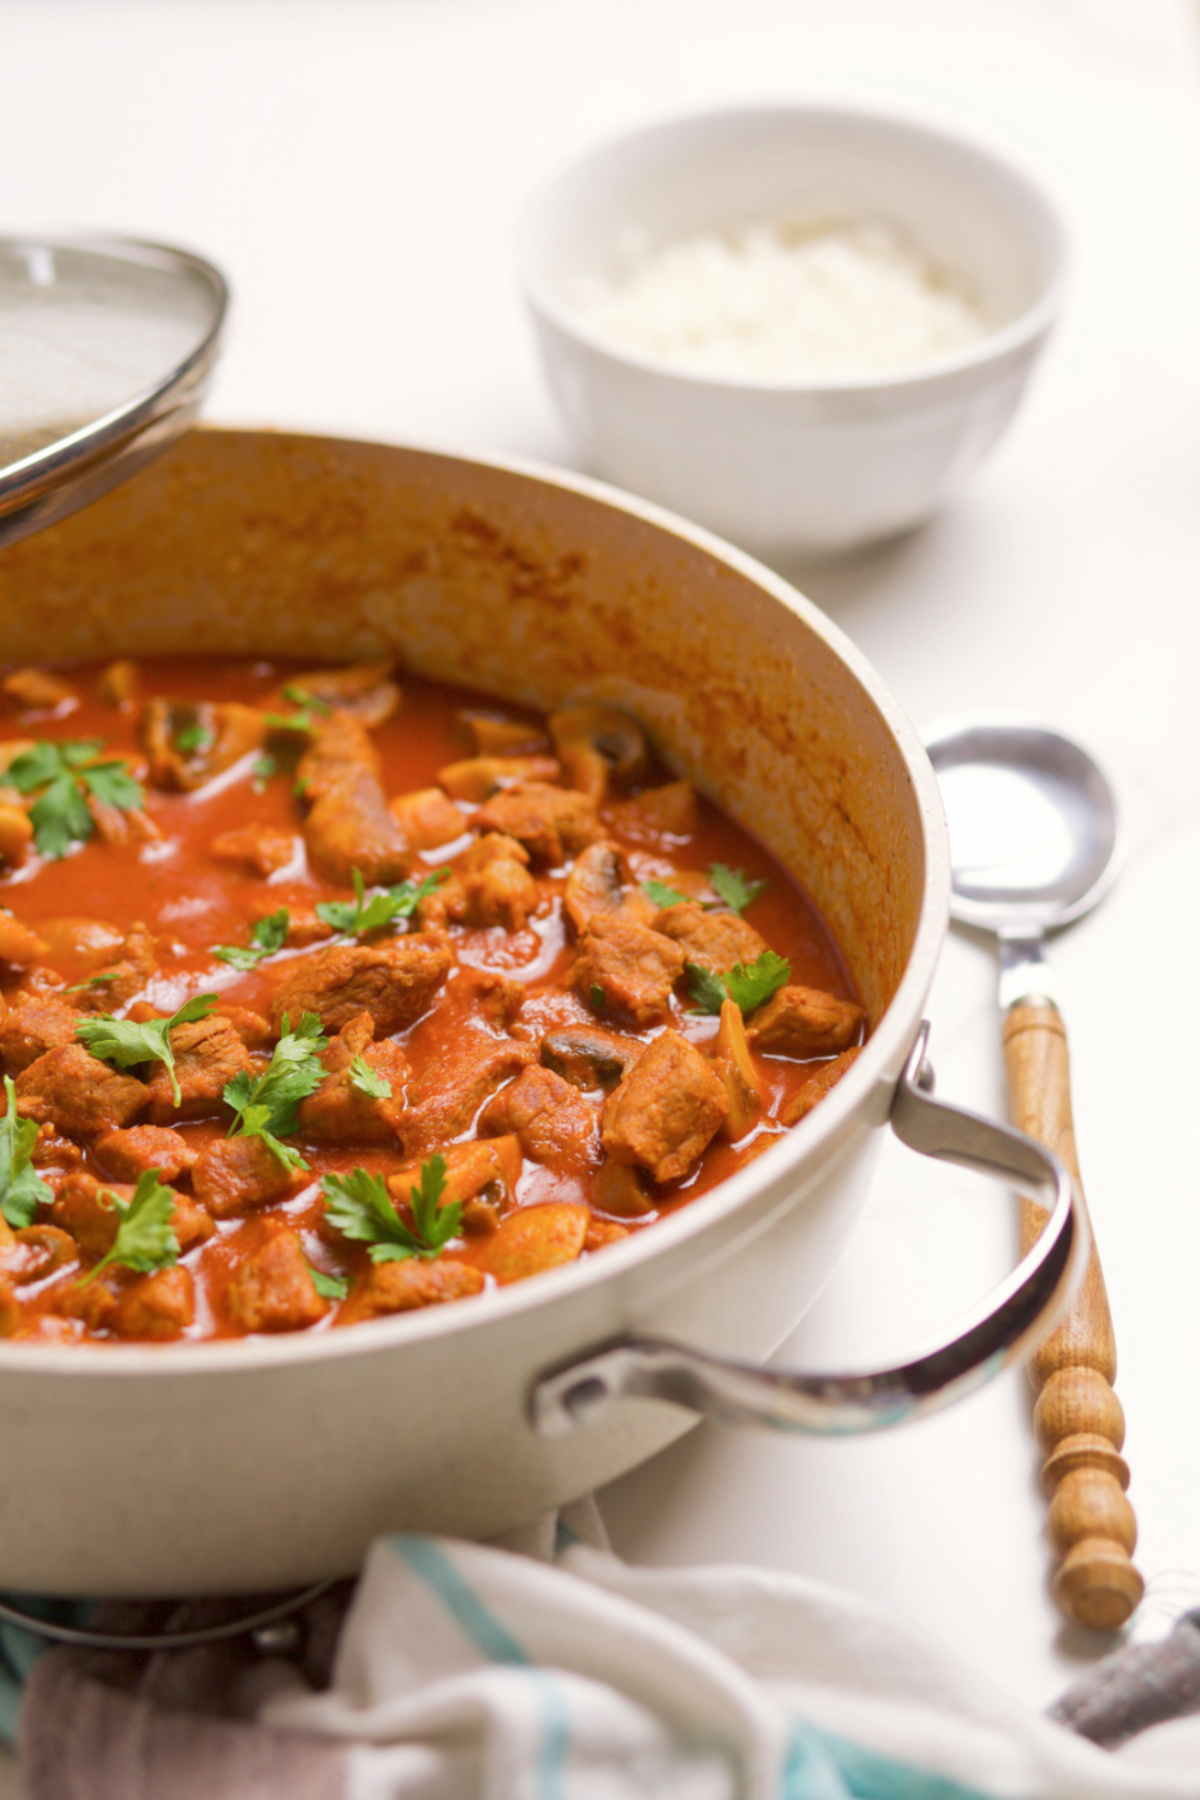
(60, 477)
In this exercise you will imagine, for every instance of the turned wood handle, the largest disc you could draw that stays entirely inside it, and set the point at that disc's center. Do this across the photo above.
(1078, 1419)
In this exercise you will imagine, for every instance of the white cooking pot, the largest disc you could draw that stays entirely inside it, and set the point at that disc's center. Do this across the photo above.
(238, 1466)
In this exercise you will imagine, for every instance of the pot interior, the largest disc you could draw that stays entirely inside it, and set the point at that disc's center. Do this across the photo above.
(258, 543)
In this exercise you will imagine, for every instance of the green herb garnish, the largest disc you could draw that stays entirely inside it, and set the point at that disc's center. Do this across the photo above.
(303, 720)
(145, 1241)
(268, 936)
(361, 1208)
(262, 769)
(360, 914)
(735, 889)
(368, 1081)
(330, 1287)
(66, 774)
(124, 1044)
(300, 696)
(266, 1107)
(662, 895)
(749, 985)
(92, 981)
(193, 738)
(597, 996)
(21, 1188)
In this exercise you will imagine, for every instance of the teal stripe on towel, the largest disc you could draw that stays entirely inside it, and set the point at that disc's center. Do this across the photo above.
(499, 1646)
(821, 1766)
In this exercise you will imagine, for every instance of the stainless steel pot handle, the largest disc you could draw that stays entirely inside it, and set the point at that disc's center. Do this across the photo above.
(1021, 1311)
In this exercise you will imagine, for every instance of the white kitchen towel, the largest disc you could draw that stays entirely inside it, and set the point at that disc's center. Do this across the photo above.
(465, 1671)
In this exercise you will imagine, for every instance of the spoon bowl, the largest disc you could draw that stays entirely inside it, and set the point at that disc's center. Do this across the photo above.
(1033, 824)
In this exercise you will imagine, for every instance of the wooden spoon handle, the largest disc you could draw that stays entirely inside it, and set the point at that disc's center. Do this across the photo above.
(1078, 1419)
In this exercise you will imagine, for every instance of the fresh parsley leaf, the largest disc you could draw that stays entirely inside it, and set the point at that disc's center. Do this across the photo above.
(360, 914)
(749, 986)
(330, 1287)
(300, 696)
(597, 996)
(361, 1208)
(21, 1188)
(91, 982)
(262, 769)
(752, 986)
(707, 990)
(267, 1107)
(193, 738)
(60, 815)
(368, 1081)
(145, 1241)
(268, 936)
(733, 886)
(662, 895)
(121, 1042)
(298, 721)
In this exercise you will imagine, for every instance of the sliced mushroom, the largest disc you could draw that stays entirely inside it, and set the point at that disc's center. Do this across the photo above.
(477, 779)
(364, 689)
(599, 884)
(493, 735)
(37, 690)
(620, 1190)
(190, 741)
(118, 683)
(18, 944)
(599, 747)
(588, 1056)
(38, 1251)
(735, 1068)
(16, 834)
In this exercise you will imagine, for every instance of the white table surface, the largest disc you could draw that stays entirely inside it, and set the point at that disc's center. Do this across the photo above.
(355, 168)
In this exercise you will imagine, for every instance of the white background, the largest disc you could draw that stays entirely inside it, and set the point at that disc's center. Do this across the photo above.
(356, 169)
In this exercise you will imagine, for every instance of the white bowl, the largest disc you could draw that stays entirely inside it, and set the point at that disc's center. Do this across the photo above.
(788, 467)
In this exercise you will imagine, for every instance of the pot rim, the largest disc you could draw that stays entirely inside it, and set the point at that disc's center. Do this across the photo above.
(805, 1148)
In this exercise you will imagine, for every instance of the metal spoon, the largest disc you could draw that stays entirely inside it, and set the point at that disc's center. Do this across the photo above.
(1033, 845)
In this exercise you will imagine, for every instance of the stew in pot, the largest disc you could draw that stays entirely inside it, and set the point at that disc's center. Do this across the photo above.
(325, 998)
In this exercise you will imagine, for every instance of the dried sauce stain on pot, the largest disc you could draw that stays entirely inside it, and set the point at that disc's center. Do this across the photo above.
(486, 992)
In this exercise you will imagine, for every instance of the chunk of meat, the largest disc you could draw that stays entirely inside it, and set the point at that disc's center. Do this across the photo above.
(37, 690)
(127, 1154)
(461, 1056)
(714, 940)
(16, 833)
(349, 826)
(599, 886)
(124, 978)
(231, 1174)
(18, 944)
(588, 1056)
(258, 847)
(495, 735)
(50, 1151)
(480, 777)
(159, 1306)
(35, 1252)
(118, 684)
(490, 885)
(428, 818)
(820, 1082)
(553, 823)
(122, 825)
(251, 1027)
(535, 1238)
(599, 746)
(394, 981)
(270, 1287)
(603, 1231)
(551, 1119)
(78, 1094)
(36, 1024)
(404, 1286)
(188, 742)
(666, 1111)
(668, 812)
(365, 690)
(735, 1069)
(84, 1207)
(340, 1109)
(628, 968)
(208, 1053)
(800, 1021)
(10, 1311)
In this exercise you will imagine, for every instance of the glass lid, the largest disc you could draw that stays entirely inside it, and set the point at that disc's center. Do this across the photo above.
(106, 348)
